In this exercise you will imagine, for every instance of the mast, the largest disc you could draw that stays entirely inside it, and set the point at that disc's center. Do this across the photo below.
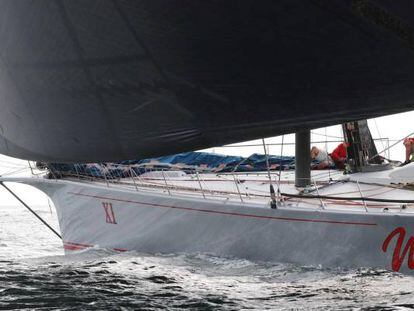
(302, 156)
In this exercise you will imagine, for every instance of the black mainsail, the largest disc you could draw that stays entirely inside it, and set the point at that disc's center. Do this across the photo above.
(110, 80)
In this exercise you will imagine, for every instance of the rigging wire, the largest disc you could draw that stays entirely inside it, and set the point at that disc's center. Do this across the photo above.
(15, 171)
(280, 164)
(379, 134)
(11, 165)
(272, 189)
(30, 210)
(50, 207)
(238, 145)
(326, 148)
(305, 196)
(389, 147)
(325, 135)
(20, 162)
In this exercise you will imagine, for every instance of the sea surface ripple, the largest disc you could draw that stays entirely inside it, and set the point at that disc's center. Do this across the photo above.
(34, 274)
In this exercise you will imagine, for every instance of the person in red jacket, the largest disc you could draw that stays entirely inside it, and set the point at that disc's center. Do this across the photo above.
(338, 155)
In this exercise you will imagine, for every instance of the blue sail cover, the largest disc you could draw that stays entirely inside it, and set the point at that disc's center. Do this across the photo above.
(188, 161)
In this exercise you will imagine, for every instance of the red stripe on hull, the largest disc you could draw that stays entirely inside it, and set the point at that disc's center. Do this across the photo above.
(228, 213)
(78, 246)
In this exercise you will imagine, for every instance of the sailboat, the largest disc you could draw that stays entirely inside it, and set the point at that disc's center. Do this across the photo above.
(99, 81)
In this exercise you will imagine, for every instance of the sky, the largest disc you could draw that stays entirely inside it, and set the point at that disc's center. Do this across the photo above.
(393, 128)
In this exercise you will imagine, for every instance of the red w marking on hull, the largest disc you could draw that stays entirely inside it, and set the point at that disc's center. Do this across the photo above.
(398, 257)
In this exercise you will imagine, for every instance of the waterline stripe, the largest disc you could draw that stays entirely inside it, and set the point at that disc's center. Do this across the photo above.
(79, 246)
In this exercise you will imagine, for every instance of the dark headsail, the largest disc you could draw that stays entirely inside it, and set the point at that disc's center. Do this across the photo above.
(106, 80)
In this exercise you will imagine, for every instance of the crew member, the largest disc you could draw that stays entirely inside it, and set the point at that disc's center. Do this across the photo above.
(322, 157)
(339, 155)
(409, 149)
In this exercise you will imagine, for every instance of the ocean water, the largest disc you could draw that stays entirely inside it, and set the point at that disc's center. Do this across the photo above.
(35, 274)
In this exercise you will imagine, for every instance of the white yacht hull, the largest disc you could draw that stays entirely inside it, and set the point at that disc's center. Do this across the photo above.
(119, 219)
